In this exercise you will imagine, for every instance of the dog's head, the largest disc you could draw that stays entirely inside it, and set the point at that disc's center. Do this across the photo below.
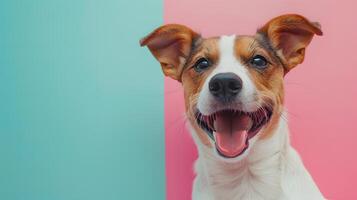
(233, 85)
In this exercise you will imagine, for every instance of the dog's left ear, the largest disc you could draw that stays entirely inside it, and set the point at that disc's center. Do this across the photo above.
(289, 35)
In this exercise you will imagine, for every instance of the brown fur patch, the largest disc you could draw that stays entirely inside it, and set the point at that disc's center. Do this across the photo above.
(269, 82)
(193, 81)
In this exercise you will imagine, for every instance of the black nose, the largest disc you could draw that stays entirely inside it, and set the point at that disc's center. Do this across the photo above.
(225, 86)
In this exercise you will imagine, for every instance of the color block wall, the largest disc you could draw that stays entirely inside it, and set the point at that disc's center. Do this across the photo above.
(81, 104)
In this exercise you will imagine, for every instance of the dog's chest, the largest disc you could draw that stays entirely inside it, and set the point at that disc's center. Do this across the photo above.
(238, 184)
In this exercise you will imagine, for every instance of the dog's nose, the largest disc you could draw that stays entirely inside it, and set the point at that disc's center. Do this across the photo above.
(225, 86)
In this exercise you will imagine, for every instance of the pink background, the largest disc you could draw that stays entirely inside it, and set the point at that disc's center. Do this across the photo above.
(321, 93)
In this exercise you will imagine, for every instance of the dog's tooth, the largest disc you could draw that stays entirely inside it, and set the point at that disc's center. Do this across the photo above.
(212, 122)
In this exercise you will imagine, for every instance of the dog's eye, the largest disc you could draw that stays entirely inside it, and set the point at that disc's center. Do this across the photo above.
(259, 62)
(201, 65)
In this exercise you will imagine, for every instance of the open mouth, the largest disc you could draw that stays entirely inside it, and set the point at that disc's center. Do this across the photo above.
(232, 129)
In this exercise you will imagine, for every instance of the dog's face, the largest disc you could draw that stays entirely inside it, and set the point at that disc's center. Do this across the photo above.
(233, 85)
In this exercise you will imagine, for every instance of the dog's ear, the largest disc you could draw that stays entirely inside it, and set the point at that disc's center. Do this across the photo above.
(171, 45)
(289, 35)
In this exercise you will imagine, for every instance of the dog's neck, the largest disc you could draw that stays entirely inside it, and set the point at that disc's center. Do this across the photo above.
(257, 176)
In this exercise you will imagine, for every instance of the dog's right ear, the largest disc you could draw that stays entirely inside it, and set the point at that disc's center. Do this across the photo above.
(171, 45)
(289, 35)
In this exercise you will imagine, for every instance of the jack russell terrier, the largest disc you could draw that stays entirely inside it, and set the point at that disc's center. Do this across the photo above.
(234, 100)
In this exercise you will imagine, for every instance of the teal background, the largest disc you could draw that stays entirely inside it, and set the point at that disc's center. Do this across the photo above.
(81, 104)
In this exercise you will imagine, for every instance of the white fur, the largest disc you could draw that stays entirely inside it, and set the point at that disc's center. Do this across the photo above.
(270, 169)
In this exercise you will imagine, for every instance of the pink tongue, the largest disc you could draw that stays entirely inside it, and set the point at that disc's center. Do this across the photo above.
(231, 133)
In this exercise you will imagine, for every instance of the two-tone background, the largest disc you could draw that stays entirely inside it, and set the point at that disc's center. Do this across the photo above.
(85, 113)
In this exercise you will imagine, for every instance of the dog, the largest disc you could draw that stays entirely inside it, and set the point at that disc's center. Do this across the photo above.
(234, 101)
